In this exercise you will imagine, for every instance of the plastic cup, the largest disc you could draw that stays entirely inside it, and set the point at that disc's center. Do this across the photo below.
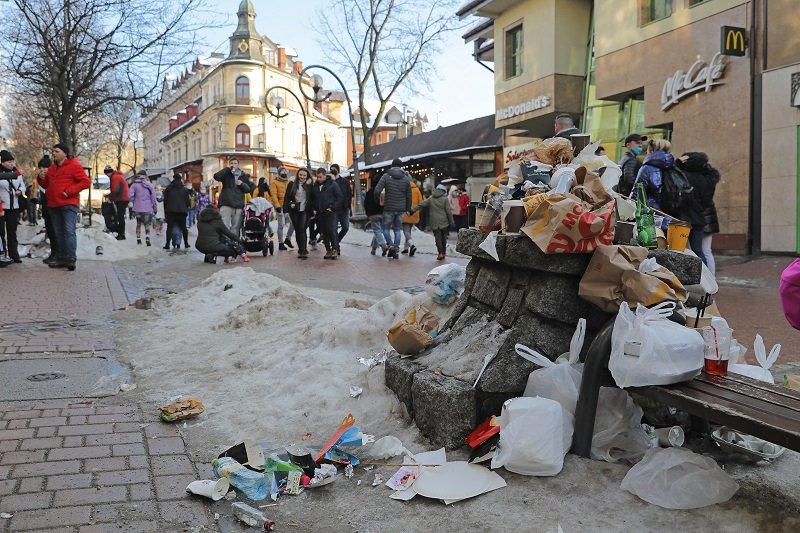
(214, 489)
(513, 216)
(623, 232)
(678, 235)
(670, 436)
(716, 349)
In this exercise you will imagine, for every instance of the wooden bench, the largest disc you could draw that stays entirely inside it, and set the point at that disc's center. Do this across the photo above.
(753, 407)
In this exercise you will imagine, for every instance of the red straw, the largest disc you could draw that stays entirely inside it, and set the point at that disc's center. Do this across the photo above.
(716, 344)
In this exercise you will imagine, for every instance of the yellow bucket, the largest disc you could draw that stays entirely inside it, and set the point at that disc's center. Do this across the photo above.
(678, 235)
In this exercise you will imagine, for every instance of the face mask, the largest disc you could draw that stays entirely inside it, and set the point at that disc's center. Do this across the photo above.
(283, 174)
(636, 150)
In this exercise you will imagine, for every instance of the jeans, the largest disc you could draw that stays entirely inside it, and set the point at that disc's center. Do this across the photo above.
(298, 219)
(409, 240)
(342, 219)
(175, 228)
(32, 213)
(393, 220)
(441, 240)
(327, 226)
(232, 217)
(377, 229)
(707, 253)
(8, 230)
(191, 217)
(281, 215)
(696, 242)
(64, 219)
(146, 220)
(119, 218)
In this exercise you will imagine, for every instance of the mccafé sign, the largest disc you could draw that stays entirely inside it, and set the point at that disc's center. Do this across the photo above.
(701, 76)
(534, 104)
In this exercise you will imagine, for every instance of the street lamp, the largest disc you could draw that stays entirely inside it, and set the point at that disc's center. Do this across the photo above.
(317, 85)
(278, 102)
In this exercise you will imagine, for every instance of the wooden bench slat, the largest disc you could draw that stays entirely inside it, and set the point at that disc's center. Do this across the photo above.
(753, 395)
(791, 396)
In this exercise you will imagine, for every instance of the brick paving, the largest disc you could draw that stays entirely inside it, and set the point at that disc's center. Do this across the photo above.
(79, 465)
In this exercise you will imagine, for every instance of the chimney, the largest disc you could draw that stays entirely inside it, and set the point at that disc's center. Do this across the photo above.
(298, 67)
(281, 57)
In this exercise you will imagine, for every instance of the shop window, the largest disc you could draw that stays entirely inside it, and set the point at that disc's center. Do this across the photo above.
(652, 10)
(513, 52)
(242, 90)
(242, 138)
(693, 3)
(328, 151)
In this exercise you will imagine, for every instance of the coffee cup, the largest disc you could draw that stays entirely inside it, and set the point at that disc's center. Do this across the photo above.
(514, 216)
(214, 489)
(670, 436)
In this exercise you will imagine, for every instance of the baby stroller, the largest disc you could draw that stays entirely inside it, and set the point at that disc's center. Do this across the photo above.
(256, 232)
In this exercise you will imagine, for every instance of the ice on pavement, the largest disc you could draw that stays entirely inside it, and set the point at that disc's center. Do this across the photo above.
(270, 360)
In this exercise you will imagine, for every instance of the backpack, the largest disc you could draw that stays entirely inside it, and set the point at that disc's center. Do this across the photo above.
(676, 191)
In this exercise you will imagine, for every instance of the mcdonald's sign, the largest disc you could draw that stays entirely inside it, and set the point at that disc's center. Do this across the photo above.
(733, 41)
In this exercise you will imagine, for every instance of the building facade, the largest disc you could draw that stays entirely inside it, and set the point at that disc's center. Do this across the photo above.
(663, 68)
(217, 111)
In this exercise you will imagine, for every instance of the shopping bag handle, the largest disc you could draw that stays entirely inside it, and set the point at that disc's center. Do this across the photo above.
(533, 356)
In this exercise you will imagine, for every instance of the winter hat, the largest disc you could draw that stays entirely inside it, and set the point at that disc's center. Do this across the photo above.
(442, 187)
(62, 146)
(108, 169)
(396, 162)
(790, 293)
(44, 162)
(5, 155)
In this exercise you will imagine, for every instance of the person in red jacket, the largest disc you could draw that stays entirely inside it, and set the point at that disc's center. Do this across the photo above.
(119, 197)
(64, 181)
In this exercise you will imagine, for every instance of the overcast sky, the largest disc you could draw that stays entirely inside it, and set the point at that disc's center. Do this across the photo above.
(463, 89)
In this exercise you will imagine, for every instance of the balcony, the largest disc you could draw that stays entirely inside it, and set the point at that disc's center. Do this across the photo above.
(229, 100)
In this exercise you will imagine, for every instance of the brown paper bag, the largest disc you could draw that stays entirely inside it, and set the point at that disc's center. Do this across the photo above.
(408, 339)
(563, 223)
(613, 277)
(424, 318)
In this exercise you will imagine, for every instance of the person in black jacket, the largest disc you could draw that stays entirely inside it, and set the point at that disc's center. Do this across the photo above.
(630, 163)
(215, 239)
(176, 206)
(343, 209)
(298, 203)
(235, 184)
(693, 165)
(374, 211)
(327, 195)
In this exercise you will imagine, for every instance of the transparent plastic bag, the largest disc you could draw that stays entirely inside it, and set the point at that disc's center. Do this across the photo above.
(559, 380)
(676, 478)
(669, 352)
(445, 283)
(535, 435)
(765, 362)
(618, 433)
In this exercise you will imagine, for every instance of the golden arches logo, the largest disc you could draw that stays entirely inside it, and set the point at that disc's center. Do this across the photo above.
(734, 40)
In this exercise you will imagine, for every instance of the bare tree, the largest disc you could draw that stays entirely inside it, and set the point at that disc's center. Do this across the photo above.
(384, 45)
(31, 134)
(74, 55)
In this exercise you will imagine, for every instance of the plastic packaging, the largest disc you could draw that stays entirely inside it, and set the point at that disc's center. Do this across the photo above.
(765, 362)
(670, 353)
(618, 433)
(445, 283)
(676, 478)
(535, 435)
(252, 484)
(252, 516)
(489, 245)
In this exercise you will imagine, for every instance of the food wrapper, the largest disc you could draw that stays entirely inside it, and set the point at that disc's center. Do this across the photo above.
(554, 151)
(533, 201)
(181, 410)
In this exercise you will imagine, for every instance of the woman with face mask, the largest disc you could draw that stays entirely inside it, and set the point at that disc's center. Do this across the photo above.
(297, 202)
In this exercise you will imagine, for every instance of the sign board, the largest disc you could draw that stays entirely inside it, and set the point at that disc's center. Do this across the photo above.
(733, 41)
(534, 104)
(512, 153)
(699, 77)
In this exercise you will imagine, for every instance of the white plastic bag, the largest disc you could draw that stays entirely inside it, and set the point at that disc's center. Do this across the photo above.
(559, 380)
(669, 353)
(535, 435)
(489, 245)
(765, 361)
(676, 478)
(445, 283)
(618, 433)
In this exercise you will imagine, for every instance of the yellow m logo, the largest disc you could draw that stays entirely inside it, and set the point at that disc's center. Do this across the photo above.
(734, 40)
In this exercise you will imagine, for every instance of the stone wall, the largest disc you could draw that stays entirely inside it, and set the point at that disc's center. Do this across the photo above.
(527, 297)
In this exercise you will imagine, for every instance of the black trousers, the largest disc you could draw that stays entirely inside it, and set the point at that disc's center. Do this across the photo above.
(119, 218)
(299, 223)
(327, 226)
(313, 227)
(8, 231)
(49, 231)
(441, 240)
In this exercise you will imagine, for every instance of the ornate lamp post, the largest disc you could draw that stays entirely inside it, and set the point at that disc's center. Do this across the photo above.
(278, 102)
(317, 81)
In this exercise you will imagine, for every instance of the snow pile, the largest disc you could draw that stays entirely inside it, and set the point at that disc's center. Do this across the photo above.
(113, 250)
(270, 360)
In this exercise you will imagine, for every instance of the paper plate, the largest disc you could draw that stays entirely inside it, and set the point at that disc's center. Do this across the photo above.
(455, 481)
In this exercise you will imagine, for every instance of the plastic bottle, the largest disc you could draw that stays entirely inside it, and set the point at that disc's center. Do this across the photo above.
(252, 516)
(252, 484)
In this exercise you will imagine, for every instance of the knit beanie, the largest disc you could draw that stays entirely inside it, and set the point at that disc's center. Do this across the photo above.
(5, 155)
(62, 146)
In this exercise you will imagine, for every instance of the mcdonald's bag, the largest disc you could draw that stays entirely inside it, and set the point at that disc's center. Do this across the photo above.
(576, 222)
(619, 274)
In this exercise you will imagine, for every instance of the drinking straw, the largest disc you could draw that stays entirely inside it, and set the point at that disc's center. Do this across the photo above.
(716, 344)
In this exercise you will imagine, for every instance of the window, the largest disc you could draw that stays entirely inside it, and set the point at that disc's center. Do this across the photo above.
(693, 3)
(652, 10)
(242, 138)
(328, 151)
(359, 138)
(513, 55)
(242, 90)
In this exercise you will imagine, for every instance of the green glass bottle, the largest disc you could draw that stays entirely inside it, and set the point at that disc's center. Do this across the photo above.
(645, 223)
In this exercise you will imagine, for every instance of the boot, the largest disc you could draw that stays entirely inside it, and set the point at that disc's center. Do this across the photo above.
(288, 243)
(440, 257)
(328, 254)
(186, 244)
(49, 259)
(5, 261)
(372, 251)
(70, 264)
(210, 259)
(282, 246)
(147, 241)
(412, 251)
(384, 250)
(405, 251)
(334, 254)
(138, 241)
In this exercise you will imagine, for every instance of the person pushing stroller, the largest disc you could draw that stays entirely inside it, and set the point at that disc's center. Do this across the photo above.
(214, 239)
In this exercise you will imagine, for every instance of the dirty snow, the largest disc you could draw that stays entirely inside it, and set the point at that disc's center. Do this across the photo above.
(270, 361)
